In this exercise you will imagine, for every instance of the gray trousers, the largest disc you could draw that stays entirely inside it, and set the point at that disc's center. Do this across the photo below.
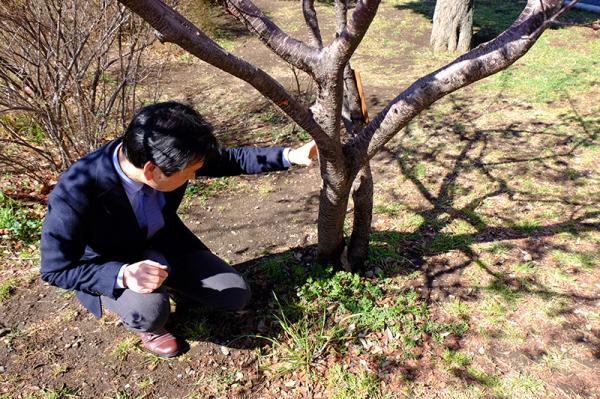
(199, 277)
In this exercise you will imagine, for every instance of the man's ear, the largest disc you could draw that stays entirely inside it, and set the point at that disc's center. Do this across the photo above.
(149, 170)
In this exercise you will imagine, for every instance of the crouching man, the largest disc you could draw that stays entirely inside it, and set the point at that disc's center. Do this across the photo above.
(112, 232)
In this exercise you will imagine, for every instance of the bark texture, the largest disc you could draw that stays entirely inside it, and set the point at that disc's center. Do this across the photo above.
(346, 140)
(452, 26)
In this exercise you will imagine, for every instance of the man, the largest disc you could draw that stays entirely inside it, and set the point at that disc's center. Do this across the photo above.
(112, 232)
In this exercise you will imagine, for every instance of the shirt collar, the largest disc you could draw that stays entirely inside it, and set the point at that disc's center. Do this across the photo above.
(131, 186)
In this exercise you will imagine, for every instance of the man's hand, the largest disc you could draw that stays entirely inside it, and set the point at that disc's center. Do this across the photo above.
(303, 155)
(145, 276)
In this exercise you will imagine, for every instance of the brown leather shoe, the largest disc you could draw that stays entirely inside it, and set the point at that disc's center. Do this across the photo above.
(162, 343)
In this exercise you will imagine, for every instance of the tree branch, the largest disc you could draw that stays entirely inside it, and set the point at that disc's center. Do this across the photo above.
(174, 28)
(289, 49)
(344, 45)
(477, 64)
(310, 17)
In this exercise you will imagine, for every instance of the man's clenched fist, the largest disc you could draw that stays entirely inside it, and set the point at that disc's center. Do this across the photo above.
(145, 276)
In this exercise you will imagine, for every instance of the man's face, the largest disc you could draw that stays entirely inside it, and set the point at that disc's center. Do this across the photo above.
(161, 182)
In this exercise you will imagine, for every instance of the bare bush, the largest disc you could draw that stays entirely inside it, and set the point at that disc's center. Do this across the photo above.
(69, 71)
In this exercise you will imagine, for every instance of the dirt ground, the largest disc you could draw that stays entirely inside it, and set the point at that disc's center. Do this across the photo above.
(50, 345)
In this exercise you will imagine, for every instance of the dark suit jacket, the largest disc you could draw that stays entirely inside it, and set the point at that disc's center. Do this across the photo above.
(90, 229)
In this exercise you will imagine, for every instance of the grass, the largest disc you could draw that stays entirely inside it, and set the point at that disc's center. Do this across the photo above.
(125, 347)
(582, 260)
(370, 309)
(64, 392)
(453, 359)
(7, 288)
(195, 328)
(573, 70)
(23, 223)
(202, 189)
(302, 343)
(344, 384)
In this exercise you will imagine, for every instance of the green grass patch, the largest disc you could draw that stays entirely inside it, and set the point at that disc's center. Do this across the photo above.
(344, 384)
(64, 392)
(458, 309)
(500, 249)
(195, 329)
(583, 260)
(554, 68)
(447, 242)
(524, 268)
(203, 189)
(23, 223)
(391, 209)
(371, 308)
(125, 347)
(7, 288)
(303, 342)
(456, 360)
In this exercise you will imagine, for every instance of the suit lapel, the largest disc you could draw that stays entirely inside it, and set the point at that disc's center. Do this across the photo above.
(113, 197)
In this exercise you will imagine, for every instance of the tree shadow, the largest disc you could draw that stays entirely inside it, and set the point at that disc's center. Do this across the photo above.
(490, 18)
(432, 236)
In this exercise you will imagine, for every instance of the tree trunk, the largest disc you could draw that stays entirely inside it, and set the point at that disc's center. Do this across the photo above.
(362, 195)
(452, 26)
(332, 213)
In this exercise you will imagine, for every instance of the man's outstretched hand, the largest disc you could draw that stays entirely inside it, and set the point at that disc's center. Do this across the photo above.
(145, 276)
(303, 155)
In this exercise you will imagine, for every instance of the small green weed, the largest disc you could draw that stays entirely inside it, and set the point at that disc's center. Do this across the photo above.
(11, 336)
(584, 260)
(485, 379)
(527, 226)
(275, 268)
(186, 58)
(343, 384)
(456, 359)
(388, 209)
(303, 343)
(145, 383)
(524, 268)
(64, 392)
(66, 294)
(125, 347)
(21, 222)
(500, 248)
(152, 361)
(7, 288)
(556, 360)
(195, 329)
(60, 369)
(446, 242)
(458, 309)
(523, 385)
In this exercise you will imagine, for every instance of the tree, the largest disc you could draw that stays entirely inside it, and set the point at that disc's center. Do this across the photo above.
(452, 25)
(346, 142)
(68, 76)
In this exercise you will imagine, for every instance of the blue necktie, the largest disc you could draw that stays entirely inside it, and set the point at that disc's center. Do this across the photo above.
(152, 211)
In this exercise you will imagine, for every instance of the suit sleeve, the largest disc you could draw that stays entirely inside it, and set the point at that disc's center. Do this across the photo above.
(63, 247)
(243, 160)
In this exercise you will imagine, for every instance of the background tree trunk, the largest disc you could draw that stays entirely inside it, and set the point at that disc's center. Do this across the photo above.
(452, 25)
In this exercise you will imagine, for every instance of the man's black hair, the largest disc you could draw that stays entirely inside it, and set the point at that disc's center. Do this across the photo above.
(171, 135)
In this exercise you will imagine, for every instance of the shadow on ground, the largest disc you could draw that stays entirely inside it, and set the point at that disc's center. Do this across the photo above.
(417, 251)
